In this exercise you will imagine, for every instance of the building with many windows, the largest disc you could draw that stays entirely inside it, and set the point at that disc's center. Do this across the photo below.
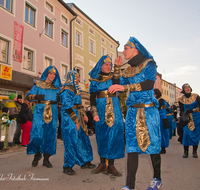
(34, 34)
(89, 43)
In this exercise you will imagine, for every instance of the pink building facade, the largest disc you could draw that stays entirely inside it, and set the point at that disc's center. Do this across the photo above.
(158, 82)
(34, 34)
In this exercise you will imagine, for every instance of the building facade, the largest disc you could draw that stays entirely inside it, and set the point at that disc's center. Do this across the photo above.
(34, 34)
(90, 42)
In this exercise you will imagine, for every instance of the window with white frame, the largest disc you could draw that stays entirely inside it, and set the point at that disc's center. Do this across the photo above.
(30, 14)
(49, 6)
(103, 51)
(78, 38)
(48, 27)
(112, 57)
(103, 40)
(48, 62)
(64, 72)
(7, 4)
(78, 21)
(64, 38)
(64, 19)
(4, 47)
(92, 46)
(28, 60)
(91, 31)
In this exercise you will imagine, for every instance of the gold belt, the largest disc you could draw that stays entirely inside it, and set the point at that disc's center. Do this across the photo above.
(170, 114)
(47, 102)
(141, 105)
(106, 94)
(163, 107)
(77, 106)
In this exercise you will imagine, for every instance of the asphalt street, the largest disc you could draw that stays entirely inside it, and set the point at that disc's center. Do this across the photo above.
(16, 173)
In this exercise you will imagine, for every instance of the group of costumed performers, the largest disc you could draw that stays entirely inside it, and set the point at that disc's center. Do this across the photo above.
(78, 149)
(175, 120)
(189, 105)
(164, 125)
(142, 125)
(109, 127)
(170, 117)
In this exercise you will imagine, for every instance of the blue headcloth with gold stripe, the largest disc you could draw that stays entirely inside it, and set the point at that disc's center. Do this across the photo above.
(134, 43)
(94, 73)
(56, 81)
(71, 80)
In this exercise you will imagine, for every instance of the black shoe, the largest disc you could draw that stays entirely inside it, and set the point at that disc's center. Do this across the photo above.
(88, 165)
(36, 160)
(69, 171)
(163, 151)
(47, 163)
(195, 155)
(185, 155)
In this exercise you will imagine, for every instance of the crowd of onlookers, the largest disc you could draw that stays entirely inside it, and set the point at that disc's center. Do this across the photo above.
(16, 120)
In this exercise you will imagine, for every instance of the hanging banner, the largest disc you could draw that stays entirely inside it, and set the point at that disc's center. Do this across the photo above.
(18, 41)
(6, 72)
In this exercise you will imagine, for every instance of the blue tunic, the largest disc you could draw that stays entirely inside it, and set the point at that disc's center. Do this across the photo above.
(192, 137)
(43, 136)
(151, 113)
(110, 140)
(164, 132)
(170, 118)
(77, 145)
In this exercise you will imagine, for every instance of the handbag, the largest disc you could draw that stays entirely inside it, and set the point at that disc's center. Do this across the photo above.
(185, 118)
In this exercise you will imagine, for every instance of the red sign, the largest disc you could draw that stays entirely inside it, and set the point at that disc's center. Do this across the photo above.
(18, 41)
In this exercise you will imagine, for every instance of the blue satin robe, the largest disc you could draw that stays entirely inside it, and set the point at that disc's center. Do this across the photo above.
(164, 132)
(170, 118)
(43, 136)
(152, 113)
(110, 141)
(192, 137)
(78, 149)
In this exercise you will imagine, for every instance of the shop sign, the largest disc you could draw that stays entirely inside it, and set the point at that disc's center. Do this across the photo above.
(6, 72)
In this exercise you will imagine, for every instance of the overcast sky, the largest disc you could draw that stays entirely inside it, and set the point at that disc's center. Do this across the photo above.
(169, 29)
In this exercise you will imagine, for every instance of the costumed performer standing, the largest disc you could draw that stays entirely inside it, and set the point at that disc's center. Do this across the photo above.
(78, 149)
(164, 125)
(142, 126)
(109, 127)
(190, 103)
(45, 116)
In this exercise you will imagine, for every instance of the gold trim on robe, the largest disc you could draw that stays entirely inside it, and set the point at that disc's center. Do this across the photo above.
(102, 78)
(44, 85)
(191, 125)
(142, 132)
(189, 100)
(109, 112)
(83, 124)
(132, 71)
(47, 115)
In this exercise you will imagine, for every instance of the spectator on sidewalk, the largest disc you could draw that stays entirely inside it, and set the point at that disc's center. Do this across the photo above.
(13, 115)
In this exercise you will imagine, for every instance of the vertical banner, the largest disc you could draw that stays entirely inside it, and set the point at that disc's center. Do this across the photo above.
(18, 41)
(6, 72)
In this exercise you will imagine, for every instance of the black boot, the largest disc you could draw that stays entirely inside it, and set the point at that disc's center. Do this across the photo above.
(185, 155)
(36, 159)
(69, 171)
(195, 152)
(111, 169)
(46, 160)
(163, 151)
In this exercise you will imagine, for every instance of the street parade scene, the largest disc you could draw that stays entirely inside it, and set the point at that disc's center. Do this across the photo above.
(79, 113)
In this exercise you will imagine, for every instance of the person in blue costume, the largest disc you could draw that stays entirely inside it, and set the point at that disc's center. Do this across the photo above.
(190, 104)
(106, 112)
(164, 125)
(142, 126)
(45, 116)
(170, 118)
(78, 149)
(174, 111)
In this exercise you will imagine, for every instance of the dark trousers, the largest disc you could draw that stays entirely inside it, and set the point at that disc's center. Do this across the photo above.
(17, 133)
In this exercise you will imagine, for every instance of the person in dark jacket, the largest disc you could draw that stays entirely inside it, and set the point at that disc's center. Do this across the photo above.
(90, 122)
(26, 118)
